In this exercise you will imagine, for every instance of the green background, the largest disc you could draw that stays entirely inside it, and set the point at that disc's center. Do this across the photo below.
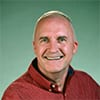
(17, 19)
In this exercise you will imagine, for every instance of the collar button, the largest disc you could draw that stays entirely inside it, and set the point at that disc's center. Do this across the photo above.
(50, 90)
(53, 86)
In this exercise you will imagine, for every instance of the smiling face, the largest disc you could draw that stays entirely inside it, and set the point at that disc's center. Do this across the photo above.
(54, 44)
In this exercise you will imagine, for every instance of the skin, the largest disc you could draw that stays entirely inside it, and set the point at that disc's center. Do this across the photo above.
(54, 45)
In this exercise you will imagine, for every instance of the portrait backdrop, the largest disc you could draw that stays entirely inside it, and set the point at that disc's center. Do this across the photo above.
(17, 20)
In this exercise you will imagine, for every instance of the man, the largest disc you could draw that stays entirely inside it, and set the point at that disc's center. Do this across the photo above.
(50, 75)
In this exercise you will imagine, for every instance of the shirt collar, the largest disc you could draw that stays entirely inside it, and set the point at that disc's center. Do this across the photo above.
(41, 81)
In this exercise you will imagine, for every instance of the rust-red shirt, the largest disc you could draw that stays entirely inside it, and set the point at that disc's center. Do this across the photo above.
(34, 86)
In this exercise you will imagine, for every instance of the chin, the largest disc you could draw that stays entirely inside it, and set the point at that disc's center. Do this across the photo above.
(54, 69)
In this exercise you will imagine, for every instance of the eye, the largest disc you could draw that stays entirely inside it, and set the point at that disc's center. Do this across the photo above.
(62, 39)
(44, 39)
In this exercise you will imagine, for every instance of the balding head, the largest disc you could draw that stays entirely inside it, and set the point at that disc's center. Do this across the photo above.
(53, 14)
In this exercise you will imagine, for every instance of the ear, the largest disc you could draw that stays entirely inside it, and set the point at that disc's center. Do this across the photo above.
(75, 47)
(34, 47)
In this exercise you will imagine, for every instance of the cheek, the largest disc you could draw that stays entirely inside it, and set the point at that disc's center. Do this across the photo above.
(67, 49)
(39, 50)
(36, 49)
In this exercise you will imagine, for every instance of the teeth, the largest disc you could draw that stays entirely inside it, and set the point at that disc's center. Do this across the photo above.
(54, 58)
(50, 58)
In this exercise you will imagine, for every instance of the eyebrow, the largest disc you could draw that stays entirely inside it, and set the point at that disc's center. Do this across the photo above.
(43, 37)
(65, 37)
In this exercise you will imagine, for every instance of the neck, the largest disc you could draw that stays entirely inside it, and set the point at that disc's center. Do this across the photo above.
(57, 78)
(60, 79)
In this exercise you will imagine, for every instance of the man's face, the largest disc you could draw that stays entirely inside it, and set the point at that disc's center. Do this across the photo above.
(54, 44)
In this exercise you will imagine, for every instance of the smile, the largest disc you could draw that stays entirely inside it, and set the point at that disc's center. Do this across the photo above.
(53, 58)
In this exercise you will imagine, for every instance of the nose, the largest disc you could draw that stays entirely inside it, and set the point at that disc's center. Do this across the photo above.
(53, 46)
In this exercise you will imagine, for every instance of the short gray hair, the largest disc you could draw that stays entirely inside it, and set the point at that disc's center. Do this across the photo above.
(54, 14)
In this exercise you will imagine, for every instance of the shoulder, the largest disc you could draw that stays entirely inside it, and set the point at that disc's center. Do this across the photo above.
(10, 93)
(16, 86)
(79, 73)
(83, 76)
(83, 82)
(85, 79)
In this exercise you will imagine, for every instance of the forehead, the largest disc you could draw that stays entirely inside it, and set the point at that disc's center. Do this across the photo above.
(53, 26)
(53, 19)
